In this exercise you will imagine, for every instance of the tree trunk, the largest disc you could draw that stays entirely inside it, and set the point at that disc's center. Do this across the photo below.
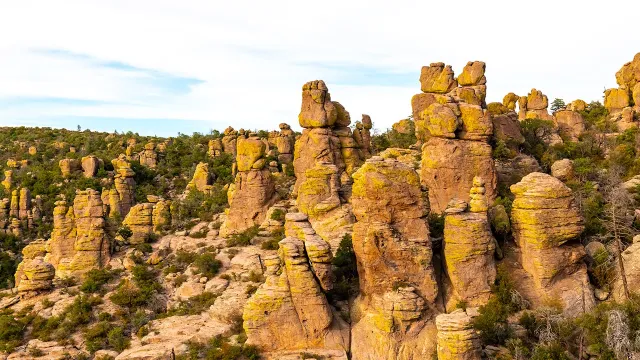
(623, 275)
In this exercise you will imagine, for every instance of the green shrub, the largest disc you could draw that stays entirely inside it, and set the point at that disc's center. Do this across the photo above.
(345, 270)
(244, 238)
(96, 278)
(201, 234)
(73, 318)
(219, 348)
(207, 265)
(140, 292)
(273, 242)
(278, 215)
(436, 225)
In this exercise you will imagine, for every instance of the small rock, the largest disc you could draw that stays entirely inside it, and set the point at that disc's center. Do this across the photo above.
(601, 294)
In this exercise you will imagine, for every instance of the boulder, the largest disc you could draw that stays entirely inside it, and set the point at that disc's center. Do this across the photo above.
(563, 170)
(202, 179)
(317, 108)
(513, 170)
(214, 147)
(616, 99)
(473, 74)
(90, 166)
(577, 105)
(404, 126)
(506, 128)
(139, 220)
(510, 100)
(437, 78)
(68, 166)
(148, 157)
(629, 75)
(570, 123)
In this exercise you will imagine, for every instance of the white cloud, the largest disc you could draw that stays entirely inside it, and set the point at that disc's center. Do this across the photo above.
(254, 56)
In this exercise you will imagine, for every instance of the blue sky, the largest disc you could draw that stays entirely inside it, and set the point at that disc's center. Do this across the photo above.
(162, 67)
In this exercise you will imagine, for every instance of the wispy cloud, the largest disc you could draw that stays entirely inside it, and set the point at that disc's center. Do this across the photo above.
(243, 63)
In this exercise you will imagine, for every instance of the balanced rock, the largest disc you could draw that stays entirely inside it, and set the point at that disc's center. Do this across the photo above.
(215, 148)
(317, 108)
(285, 143)
(34, 274)
(149, 157)
(63, 236)
(629, 75)
(229, 141)
(544, 218)
(577, 105)
(510, 100)
(437, 78)
(8, 180)
(563, 170)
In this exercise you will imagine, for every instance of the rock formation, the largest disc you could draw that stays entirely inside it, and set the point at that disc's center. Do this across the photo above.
(139, 220)
(24, 204)
(149, 156)
(563, 169)
(570, 123)
(534, 106)
(458, 128)
(61, 243)
(285, 143)
(511, 171)
(68, 166)
(506, 127)
(457, 339)
(202, 180)
(290, 310)
(34, 274)
(161, 215)
(362, 135)
(8, 180)
(321, 163)
(624, 102)
(510, 100)
(122, 197)
(469, 247)
(90, 166)
(544, 219)
(253, 191)
(91, 246)
(394, 258)
(215, 147)
(229, 141)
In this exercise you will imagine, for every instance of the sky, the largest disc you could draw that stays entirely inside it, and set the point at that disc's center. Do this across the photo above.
(162, 67)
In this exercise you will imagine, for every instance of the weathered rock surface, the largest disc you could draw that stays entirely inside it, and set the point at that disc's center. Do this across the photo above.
(468, 249)
(510, 100)
(290, 310)
(149, 156)
(34, 274)
(393, 251)
(215, 147)
(140, 221)
(544, 218)
(68, 166)
(455, 132)
(563, 170)
(202, 179)
(513, 170)
(90, 166)
(570, 123)
(616, 99)
(254, 189)
(457, 339)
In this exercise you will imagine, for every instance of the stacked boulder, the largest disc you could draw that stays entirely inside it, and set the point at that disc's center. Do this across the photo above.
(397, 283)
(8, 180)
(229, 141)
(215, 148)
(362, 136)
(149, 157)
(469, 247)
(285, 141)
(534, 106)
(623, 102)
(322, 156)
(510, 100)
(253, 191)
(290, 310)
(34, 274)
(91, 245)
(456, 128)
(19, 210)
(161, 214)
(544, 219)
(457, 339)
(61, 243)
(122, 197)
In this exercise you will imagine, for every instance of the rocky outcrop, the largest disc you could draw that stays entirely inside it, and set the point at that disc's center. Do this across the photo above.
(91, 246)
(24, 204)
(623, 102)
(253, 191)
(468, 249)
(458, 128)
(534, 106)
(457, 339)
(570, 124)
(90, 166)
(510, 100)
(544, 219)
(324, 156)
(63, 236)
(394, 258)
(149, 156)
(631, 261)
(121, 201)
(229, 140)
(34, 274)
(362, 136)
(506, 127)
(161, 215)
(69, 166)
(215, 147)
(290, 310)
(139, 220)
(285, 141)
(202, 180)
(8, 180)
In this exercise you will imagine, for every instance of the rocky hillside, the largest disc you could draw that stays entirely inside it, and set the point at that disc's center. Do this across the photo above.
(466, 231)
